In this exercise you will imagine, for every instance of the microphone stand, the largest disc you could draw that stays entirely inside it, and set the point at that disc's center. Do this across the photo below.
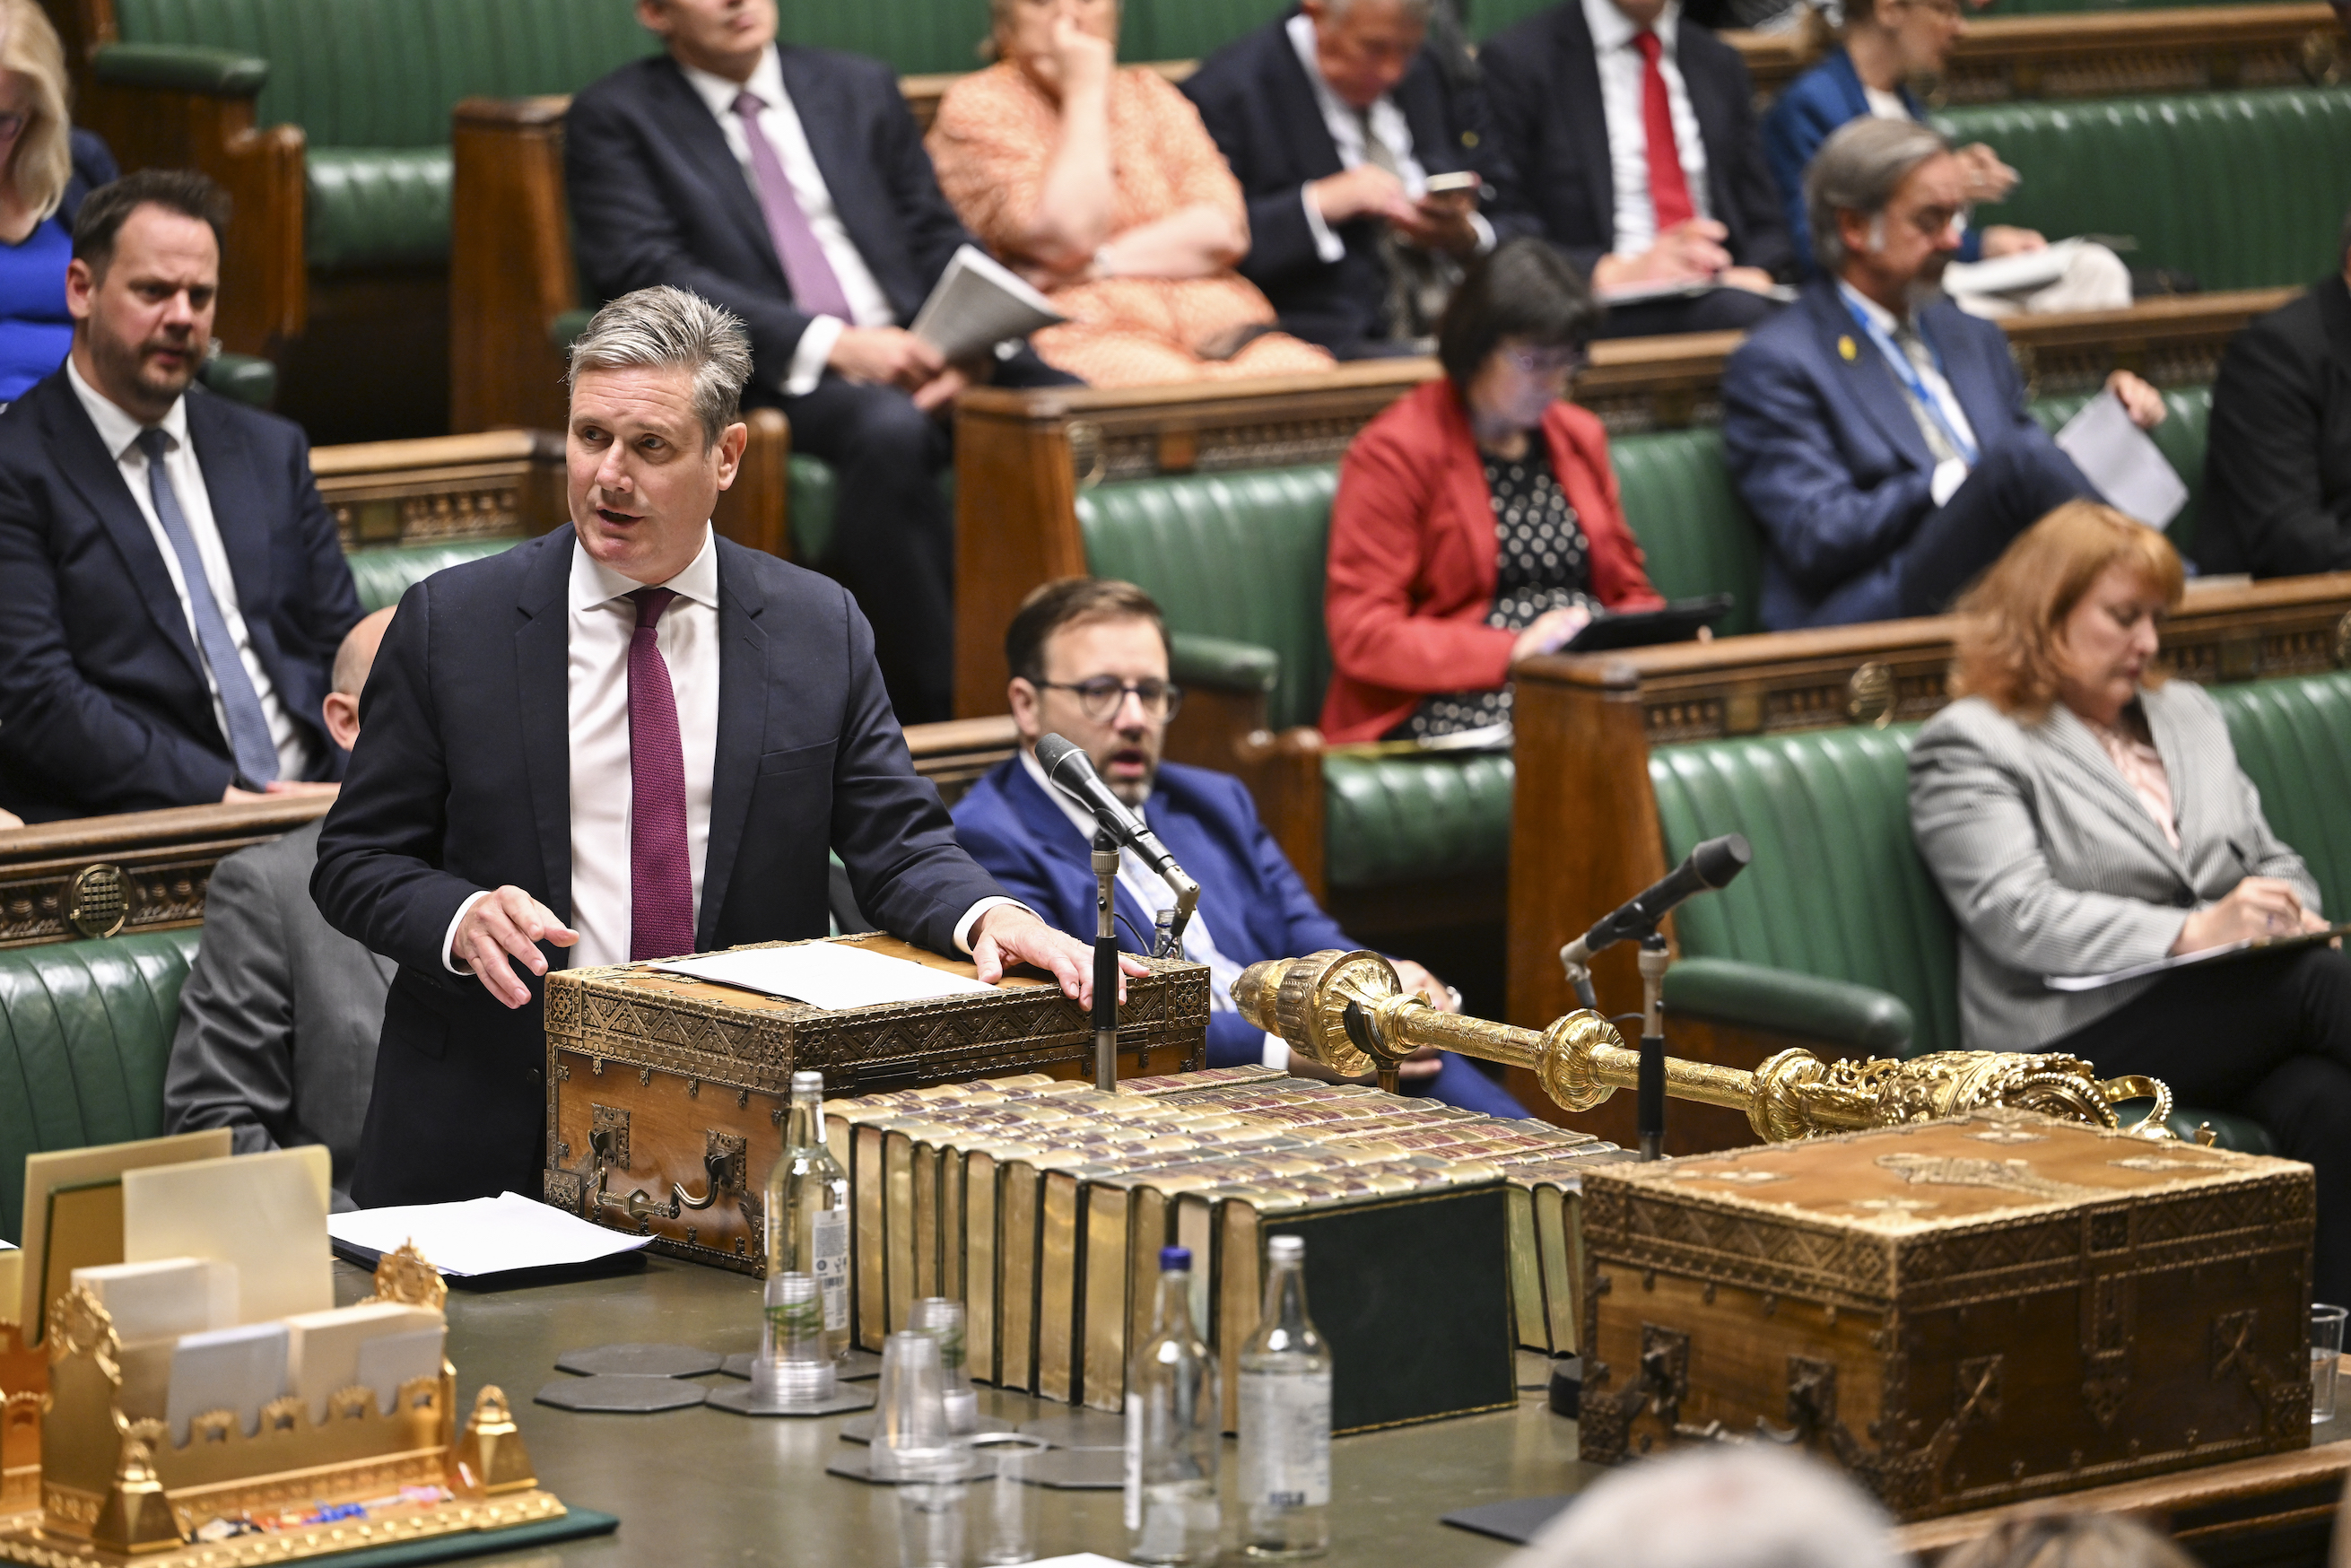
(1650, 1120)
(1105, 863)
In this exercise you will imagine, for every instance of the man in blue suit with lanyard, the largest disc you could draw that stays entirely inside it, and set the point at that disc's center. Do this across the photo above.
(1088, 658)
(1877, 433)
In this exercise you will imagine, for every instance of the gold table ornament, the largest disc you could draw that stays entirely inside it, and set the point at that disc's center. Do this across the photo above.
(115, 1490)
(1349, 1012)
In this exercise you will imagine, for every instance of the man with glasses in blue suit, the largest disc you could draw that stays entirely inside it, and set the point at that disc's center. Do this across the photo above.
(1878, 433)
(1088, 658)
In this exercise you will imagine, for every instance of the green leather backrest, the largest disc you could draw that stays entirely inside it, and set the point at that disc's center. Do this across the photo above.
(2244, 189)
(1236, 555)
(1693, 527)
(2293, 738)
(85, 1034)
(1188, 29)
(386, 73)
(1836, 887)
(381, 576)
(2180, 437)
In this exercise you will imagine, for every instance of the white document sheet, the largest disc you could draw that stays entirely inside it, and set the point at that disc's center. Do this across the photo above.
(2123, 461)
(164, 1298)
(239, 1369)
(485, 1235)
(830, 975)
(979, 303)
(389, 1360)
(2018, 272)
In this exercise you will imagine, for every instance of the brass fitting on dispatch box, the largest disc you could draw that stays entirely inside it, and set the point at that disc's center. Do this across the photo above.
(1349, 1012)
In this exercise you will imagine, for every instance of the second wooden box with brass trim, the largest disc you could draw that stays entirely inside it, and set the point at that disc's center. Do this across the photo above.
(1961, 1313)
(666, 1095)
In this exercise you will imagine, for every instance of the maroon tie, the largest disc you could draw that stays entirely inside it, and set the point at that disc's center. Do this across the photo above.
(661, 877)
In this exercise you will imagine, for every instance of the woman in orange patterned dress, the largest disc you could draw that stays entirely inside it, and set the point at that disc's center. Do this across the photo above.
(1103, 186)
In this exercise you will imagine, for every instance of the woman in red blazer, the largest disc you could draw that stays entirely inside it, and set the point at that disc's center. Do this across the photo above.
(1477, 520)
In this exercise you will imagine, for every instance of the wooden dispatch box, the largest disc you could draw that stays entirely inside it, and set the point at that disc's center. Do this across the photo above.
(684, 1084)
(1961, 1313)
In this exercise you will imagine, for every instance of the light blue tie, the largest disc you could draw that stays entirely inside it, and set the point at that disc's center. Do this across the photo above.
(248, 726)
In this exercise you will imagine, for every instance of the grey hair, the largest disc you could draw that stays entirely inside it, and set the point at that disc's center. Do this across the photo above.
(1719, 1508)
(1857, 170)
(669, 328)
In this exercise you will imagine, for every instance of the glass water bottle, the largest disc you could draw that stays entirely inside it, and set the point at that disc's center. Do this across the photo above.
(1173, 1429)
(808, 1212)
(1285, 1417)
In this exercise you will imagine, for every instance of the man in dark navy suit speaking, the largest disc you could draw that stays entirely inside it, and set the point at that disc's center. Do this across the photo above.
(174, 589)
(790, 186)
(626, 739)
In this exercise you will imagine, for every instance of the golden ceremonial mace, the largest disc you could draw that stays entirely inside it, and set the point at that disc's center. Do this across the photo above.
(1349, 1012)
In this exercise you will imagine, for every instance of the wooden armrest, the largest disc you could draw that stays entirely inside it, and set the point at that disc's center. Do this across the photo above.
(510, 266)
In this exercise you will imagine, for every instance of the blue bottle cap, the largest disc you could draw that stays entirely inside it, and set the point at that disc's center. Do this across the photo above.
(1174, 1258)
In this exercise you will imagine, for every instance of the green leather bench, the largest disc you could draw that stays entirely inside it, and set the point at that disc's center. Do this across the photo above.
(2244, 190)
(381, 576)
(85, 1033)
(1838, 932)
(1391, 820)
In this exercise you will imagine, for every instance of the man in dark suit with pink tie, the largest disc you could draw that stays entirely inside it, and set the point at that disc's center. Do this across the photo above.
(626, 739)
(790, 186)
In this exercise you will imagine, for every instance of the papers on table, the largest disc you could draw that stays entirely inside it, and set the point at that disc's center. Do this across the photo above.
(2018, 272)
(166, 1297)
(979, 303)
(830, 975)
(1684, 289)
(2120, 459)
(238, 1369)
(2185, 960)
(499, 1235)
(379, 1343)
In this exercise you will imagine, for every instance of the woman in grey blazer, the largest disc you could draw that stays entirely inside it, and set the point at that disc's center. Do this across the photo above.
(2082, 815)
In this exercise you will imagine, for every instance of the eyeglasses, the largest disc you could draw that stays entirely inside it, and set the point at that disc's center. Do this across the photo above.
(12, 124)
(1549, 362)
(1100, 699)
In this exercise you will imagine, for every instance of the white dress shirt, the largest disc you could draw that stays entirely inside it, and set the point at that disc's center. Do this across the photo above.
(1346, 127)
(602, 622)
(1952, 472)
(1149, 889)
(1885, 105)
(781, 122)
(1621, 71)
(119, 433)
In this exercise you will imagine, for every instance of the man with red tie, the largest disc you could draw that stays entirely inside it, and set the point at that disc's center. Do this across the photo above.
(1633, 132)
(626, 739)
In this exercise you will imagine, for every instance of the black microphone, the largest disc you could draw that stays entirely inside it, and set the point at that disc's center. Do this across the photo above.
(1072, 773)
(1710, 865)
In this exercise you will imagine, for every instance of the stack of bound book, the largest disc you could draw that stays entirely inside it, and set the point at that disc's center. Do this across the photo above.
(1435, 1238)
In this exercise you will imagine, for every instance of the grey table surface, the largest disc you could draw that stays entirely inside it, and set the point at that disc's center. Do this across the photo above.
(705, 1487)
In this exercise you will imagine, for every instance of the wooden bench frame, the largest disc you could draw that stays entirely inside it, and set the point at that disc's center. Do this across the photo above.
(149, 871)
(1584, 835)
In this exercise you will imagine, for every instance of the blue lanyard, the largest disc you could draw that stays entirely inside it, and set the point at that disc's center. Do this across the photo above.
(1899, 363)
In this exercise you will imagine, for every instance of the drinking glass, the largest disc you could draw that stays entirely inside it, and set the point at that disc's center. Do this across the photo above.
(1008, 1505)
(911, 1441)
(2325, 1355)
(942, 1317)
(931, 1523)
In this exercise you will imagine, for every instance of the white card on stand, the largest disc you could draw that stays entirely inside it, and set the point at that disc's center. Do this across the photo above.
(238, 1369)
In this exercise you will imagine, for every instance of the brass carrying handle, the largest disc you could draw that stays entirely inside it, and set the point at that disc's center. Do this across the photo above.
(2139, 1086)
(713, 1173)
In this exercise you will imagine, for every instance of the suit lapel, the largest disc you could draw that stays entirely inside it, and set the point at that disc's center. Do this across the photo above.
(2335, 310)
(1299, 106)
(1865, 375)
(1464, 478)
(1851, 96)
(90, 469)
(744, 681)
(1577, 79)
(2178, 763)
(696, 132)
(830, 123)
(1972, 380)
(2067, 731)
(542, 658)
(1713, 108)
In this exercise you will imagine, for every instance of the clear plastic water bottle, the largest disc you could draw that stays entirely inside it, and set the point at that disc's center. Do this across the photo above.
(1171, 1430)
(808, 1212)
(1285, 1417)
